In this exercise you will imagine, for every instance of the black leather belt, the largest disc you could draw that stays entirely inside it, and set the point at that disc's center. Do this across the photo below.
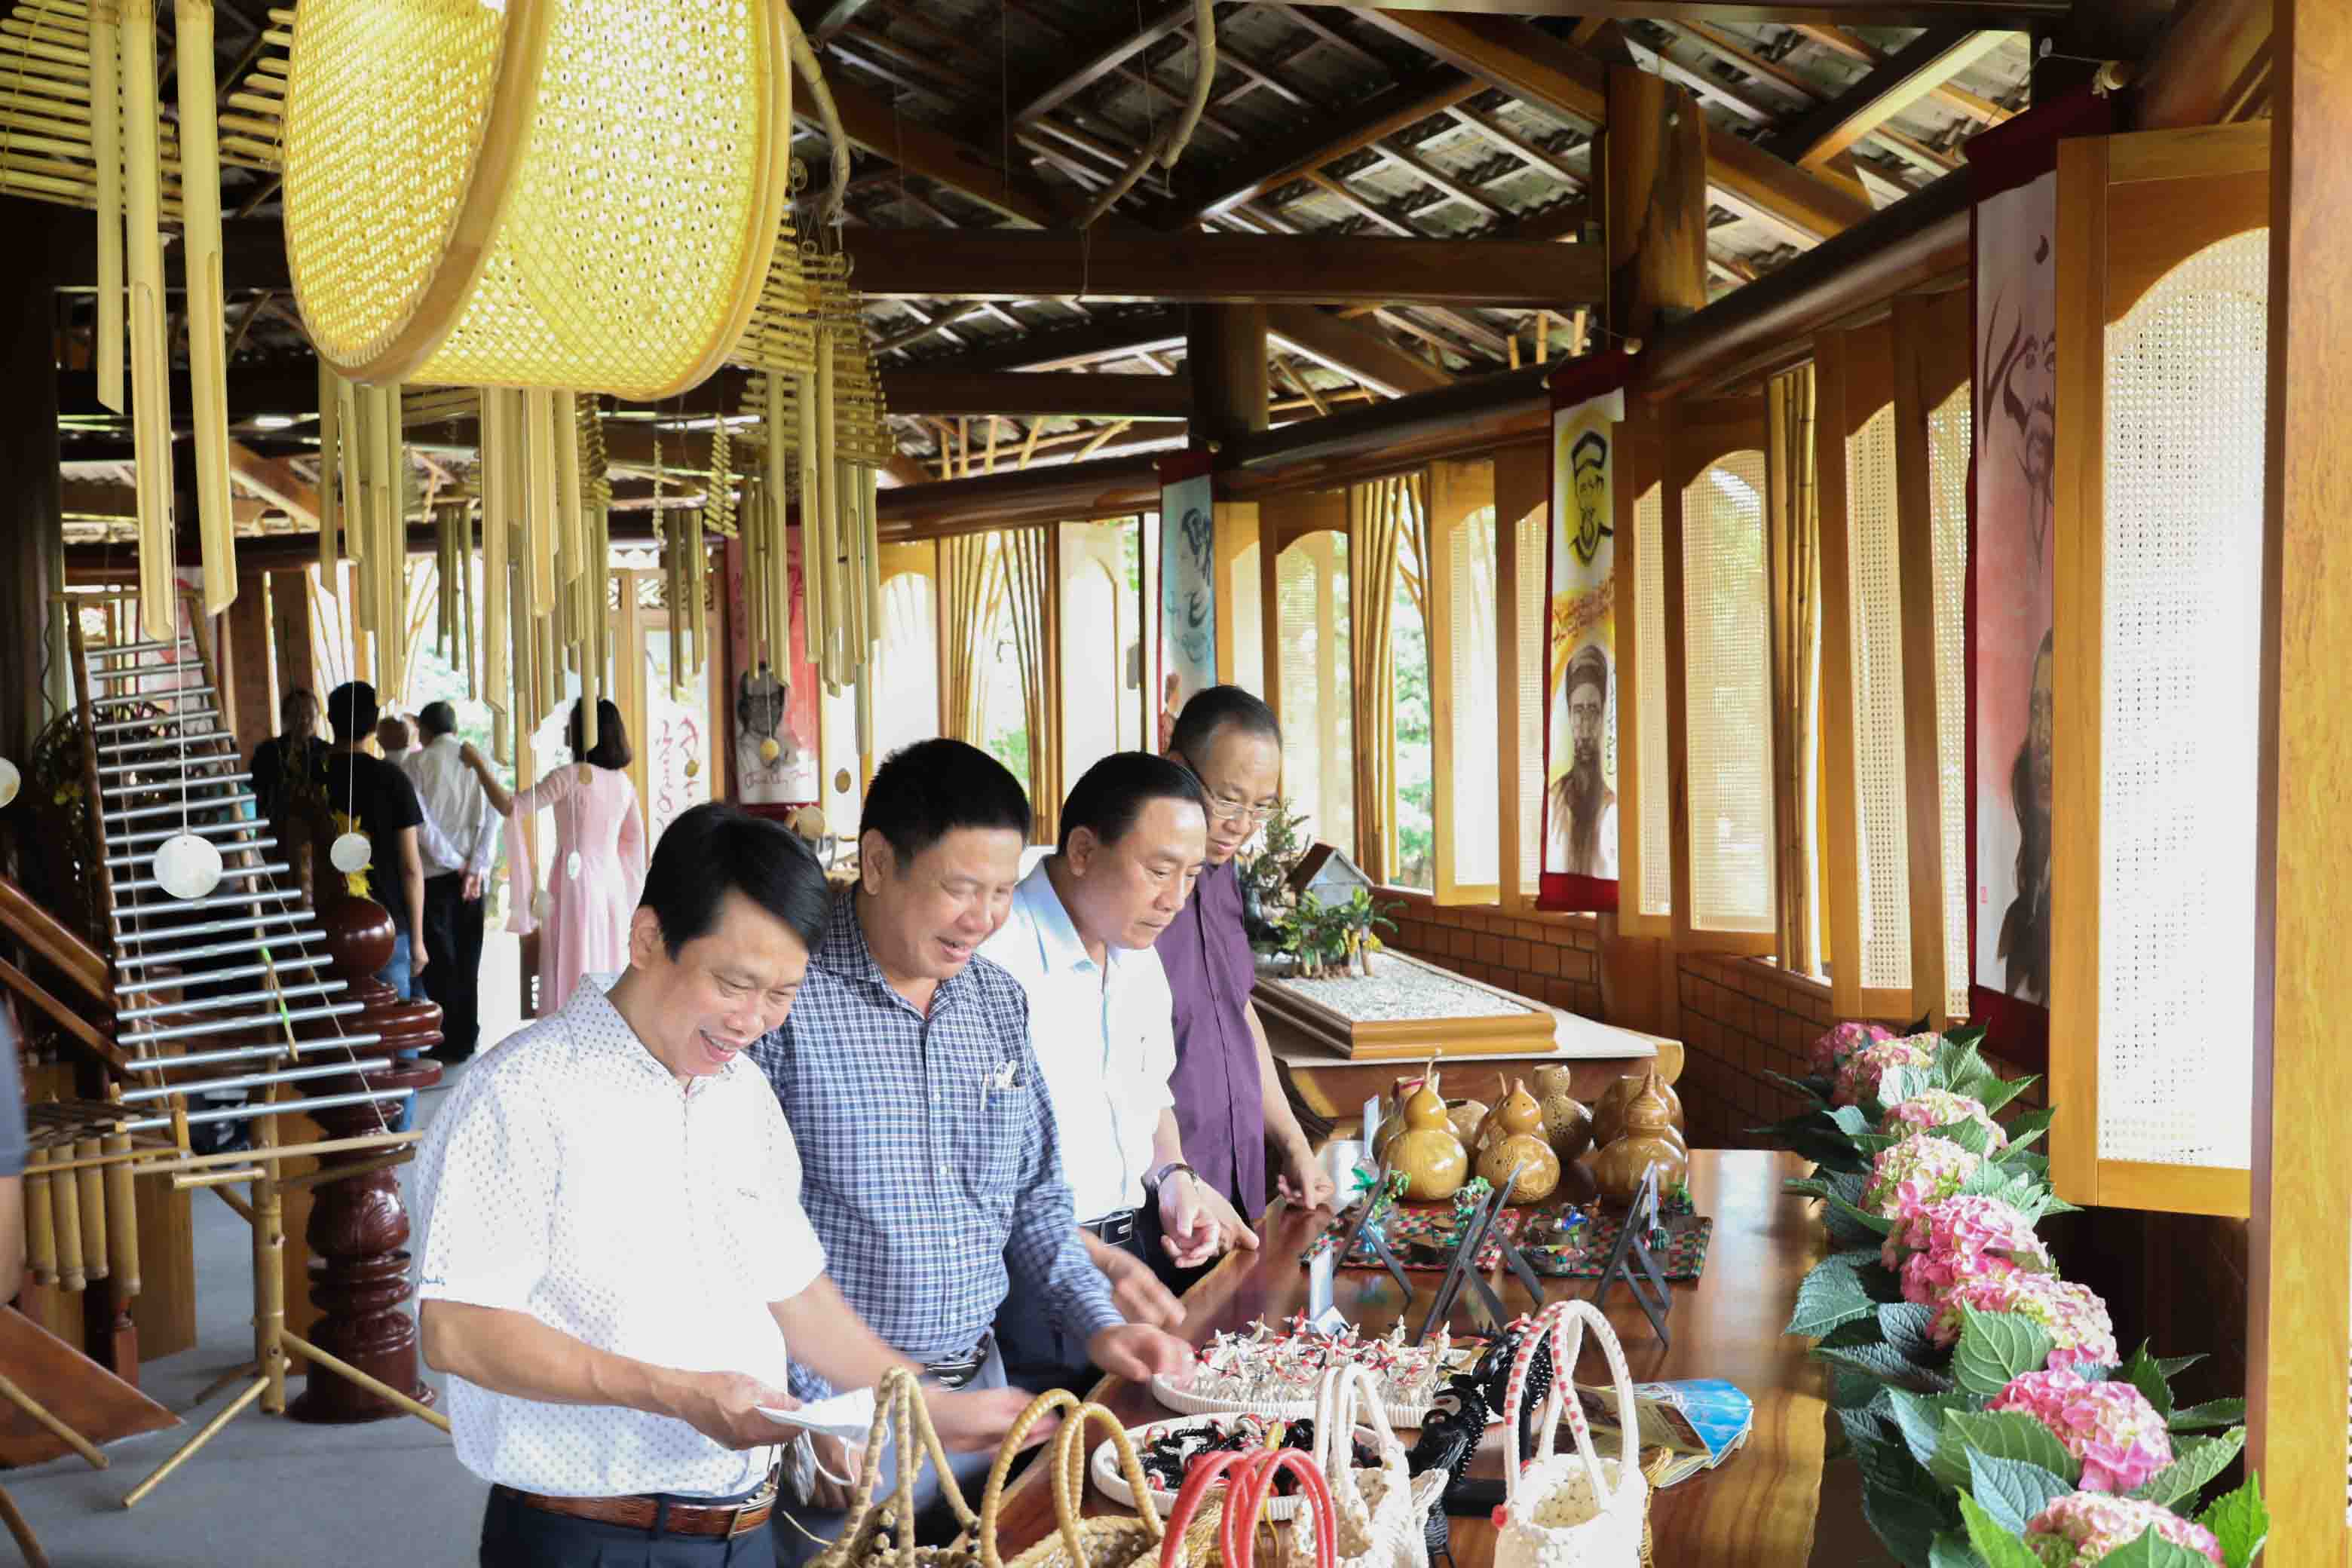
(1114, 1229)
(956, 1372)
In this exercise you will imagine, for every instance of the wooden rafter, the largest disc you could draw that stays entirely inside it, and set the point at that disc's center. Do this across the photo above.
(1855, 48)
(1332, 137)
(1351, 350)
(1897, 82)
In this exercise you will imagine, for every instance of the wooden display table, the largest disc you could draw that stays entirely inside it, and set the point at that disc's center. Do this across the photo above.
(1327, 1089)
(1756, 1511)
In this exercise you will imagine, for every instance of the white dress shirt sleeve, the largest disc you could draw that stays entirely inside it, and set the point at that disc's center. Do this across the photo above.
(793, 1257)
(486, 1187)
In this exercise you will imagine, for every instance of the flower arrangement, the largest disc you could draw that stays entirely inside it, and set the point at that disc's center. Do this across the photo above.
(1323, 937)
(1995, 1420)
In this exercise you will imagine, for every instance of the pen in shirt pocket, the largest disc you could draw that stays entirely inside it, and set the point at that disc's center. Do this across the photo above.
(1000, 1076)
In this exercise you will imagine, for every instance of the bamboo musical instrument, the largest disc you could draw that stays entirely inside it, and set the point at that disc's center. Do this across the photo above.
(151, 381)
(200, 247)
(106, 145)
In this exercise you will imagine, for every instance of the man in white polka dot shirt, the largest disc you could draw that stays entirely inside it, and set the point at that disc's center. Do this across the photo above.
(616, 1268)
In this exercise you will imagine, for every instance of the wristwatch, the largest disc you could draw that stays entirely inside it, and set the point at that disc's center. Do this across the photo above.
(1161, 1173)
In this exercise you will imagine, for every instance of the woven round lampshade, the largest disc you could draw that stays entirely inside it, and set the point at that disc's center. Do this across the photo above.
(574, 194)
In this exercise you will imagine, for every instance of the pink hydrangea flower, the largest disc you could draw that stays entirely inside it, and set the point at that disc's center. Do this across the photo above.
(2080, 1529)
(1961, 1239)
(1830, 1052)
(1907, 1177)
(1934, 1108)
(2109, 1426)
(2074, 1318)
(1858, 1075)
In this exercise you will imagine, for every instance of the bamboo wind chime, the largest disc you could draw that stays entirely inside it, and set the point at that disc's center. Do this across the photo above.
(363, 515)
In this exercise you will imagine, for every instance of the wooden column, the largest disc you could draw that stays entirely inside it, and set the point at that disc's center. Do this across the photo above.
(1224, 350)
(31, 499)
(1654, 202)
(2300, 1236)
(289, 629)
(244, 669)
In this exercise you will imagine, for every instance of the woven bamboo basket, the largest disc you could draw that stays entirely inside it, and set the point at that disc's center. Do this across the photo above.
(1078, 1541)
(866, 1540)
(1230, 1540)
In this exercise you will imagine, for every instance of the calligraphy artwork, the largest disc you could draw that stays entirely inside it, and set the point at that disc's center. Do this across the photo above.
(1187, 602)
(1580, 802)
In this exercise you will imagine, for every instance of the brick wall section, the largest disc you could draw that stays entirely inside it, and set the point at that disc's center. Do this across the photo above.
(1555, 960)
(1741, 1019)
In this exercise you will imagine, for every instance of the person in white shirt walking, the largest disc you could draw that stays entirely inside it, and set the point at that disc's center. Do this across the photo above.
(457, 858)
(1079, 939)
(616, 1269)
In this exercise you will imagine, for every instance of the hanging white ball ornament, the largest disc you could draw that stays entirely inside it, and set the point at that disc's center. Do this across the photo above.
(10, 779)
(349, 852)
(571, 866)
(187, 866)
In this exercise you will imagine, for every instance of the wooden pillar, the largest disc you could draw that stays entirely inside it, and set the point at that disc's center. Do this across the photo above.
(245, 664)
(1224, 349)
(1654, 204)
(31, 499)
(2301, 1233)
(290, 628)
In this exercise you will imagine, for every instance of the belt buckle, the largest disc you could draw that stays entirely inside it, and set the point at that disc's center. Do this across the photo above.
(742, 1523)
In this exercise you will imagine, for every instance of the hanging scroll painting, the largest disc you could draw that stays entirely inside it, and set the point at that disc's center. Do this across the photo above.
(772, 713)
(1579, 797)
(1187, 602)
(2012, 572)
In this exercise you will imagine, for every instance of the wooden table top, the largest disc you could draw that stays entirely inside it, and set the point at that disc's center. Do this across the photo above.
(1756, 1510)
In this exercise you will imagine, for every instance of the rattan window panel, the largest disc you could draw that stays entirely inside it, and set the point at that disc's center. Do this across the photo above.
(2179, 645)
(1317, 707)
(1530, 590)
(1653, 803)
(1472, 791)
(1727, 696)
(1875, 621)
(1949, 439)
(907, 670)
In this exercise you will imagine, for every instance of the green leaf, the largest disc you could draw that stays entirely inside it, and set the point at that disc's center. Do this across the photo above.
(2195, 1461)
(2012, 1491)
(1951, 1551)
(1908, 1521)
(1919, 1418)
(2212, 1413)
(2152, 1550)
(2239, 1522)
(1999, 1091)
(2000, 1435)
(2172, 1366)
(2028, 1127)
(2143, 1373)
(1803, 1088)
(1888, 1365)
(1906, 1326)
(1996, 1347)
(1999, 1547)
(1960, 1069)
(1972, 1135)
(1967, 1034)
(1896, 1085)
(1831, 1294)
(1877, 1225)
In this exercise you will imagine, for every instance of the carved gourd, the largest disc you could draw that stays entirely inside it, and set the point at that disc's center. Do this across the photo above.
(1427, 1151)
(1618, 1169)
(1567, 1124)
(1609, 1114)
(1467, 1116)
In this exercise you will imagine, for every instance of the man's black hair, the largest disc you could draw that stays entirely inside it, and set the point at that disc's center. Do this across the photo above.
(1112, 793)
(713, 847)
(612, 748)
(1212, 709)
(437, 720)
(352, 711)
(924, 792)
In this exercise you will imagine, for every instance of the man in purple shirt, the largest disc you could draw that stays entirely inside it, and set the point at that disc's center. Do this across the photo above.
(1229, 1099)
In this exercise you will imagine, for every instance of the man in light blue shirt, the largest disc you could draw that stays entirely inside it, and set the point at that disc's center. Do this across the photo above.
(1079, 940)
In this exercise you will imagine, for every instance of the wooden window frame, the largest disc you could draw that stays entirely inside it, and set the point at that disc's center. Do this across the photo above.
(1458, 488)
(1698, 435)
(2130, 208)
(1237, 527)
(1853, 379)
(1522, 485)
(1934, 343)
(1640, 463)
(1286, 519)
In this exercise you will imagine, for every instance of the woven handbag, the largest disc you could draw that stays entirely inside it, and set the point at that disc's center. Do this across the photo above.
(1379, 1514)
(1078, 1541)
(1575, 1509)
(1231, 1540)
(865, 1539)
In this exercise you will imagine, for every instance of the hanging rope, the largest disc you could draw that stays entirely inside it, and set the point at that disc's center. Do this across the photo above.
(804, 61)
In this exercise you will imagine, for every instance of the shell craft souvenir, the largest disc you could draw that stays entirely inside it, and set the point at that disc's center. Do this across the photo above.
(1427, 1151)
(1274, 1370)
(1620, 1167)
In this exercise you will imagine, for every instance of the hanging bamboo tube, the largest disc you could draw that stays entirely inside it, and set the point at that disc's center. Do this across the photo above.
(391, 549)
(538, 498)
(497, 682)
(89, 1192)
(106, 146)
(151, 378)
(817, 605)
(121, 1216)
(331, 477)
(868, 522)
(65, 1209)
(358, 412)
(40, 1228)
(200, 245)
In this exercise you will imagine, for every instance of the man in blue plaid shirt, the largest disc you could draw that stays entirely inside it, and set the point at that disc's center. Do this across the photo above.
(930, 1166)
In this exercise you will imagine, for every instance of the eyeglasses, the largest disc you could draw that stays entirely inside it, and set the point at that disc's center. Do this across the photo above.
(1225, 810)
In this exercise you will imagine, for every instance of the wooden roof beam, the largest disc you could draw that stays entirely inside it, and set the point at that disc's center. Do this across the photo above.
(1345, 349)
(1846, 13)
(872, 122)
(1328, 138)
(1229, 269)
(1899, 81)
(1098, 56)
(1861, 50)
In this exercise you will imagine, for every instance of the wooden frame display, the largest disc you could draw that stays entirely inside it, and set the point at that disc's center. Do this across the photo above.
(1457, 491)
(2130, 209)
(1528, 1030)
(1697, 435)
(1640, 461)
(1932, 334)
(1853, 379)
